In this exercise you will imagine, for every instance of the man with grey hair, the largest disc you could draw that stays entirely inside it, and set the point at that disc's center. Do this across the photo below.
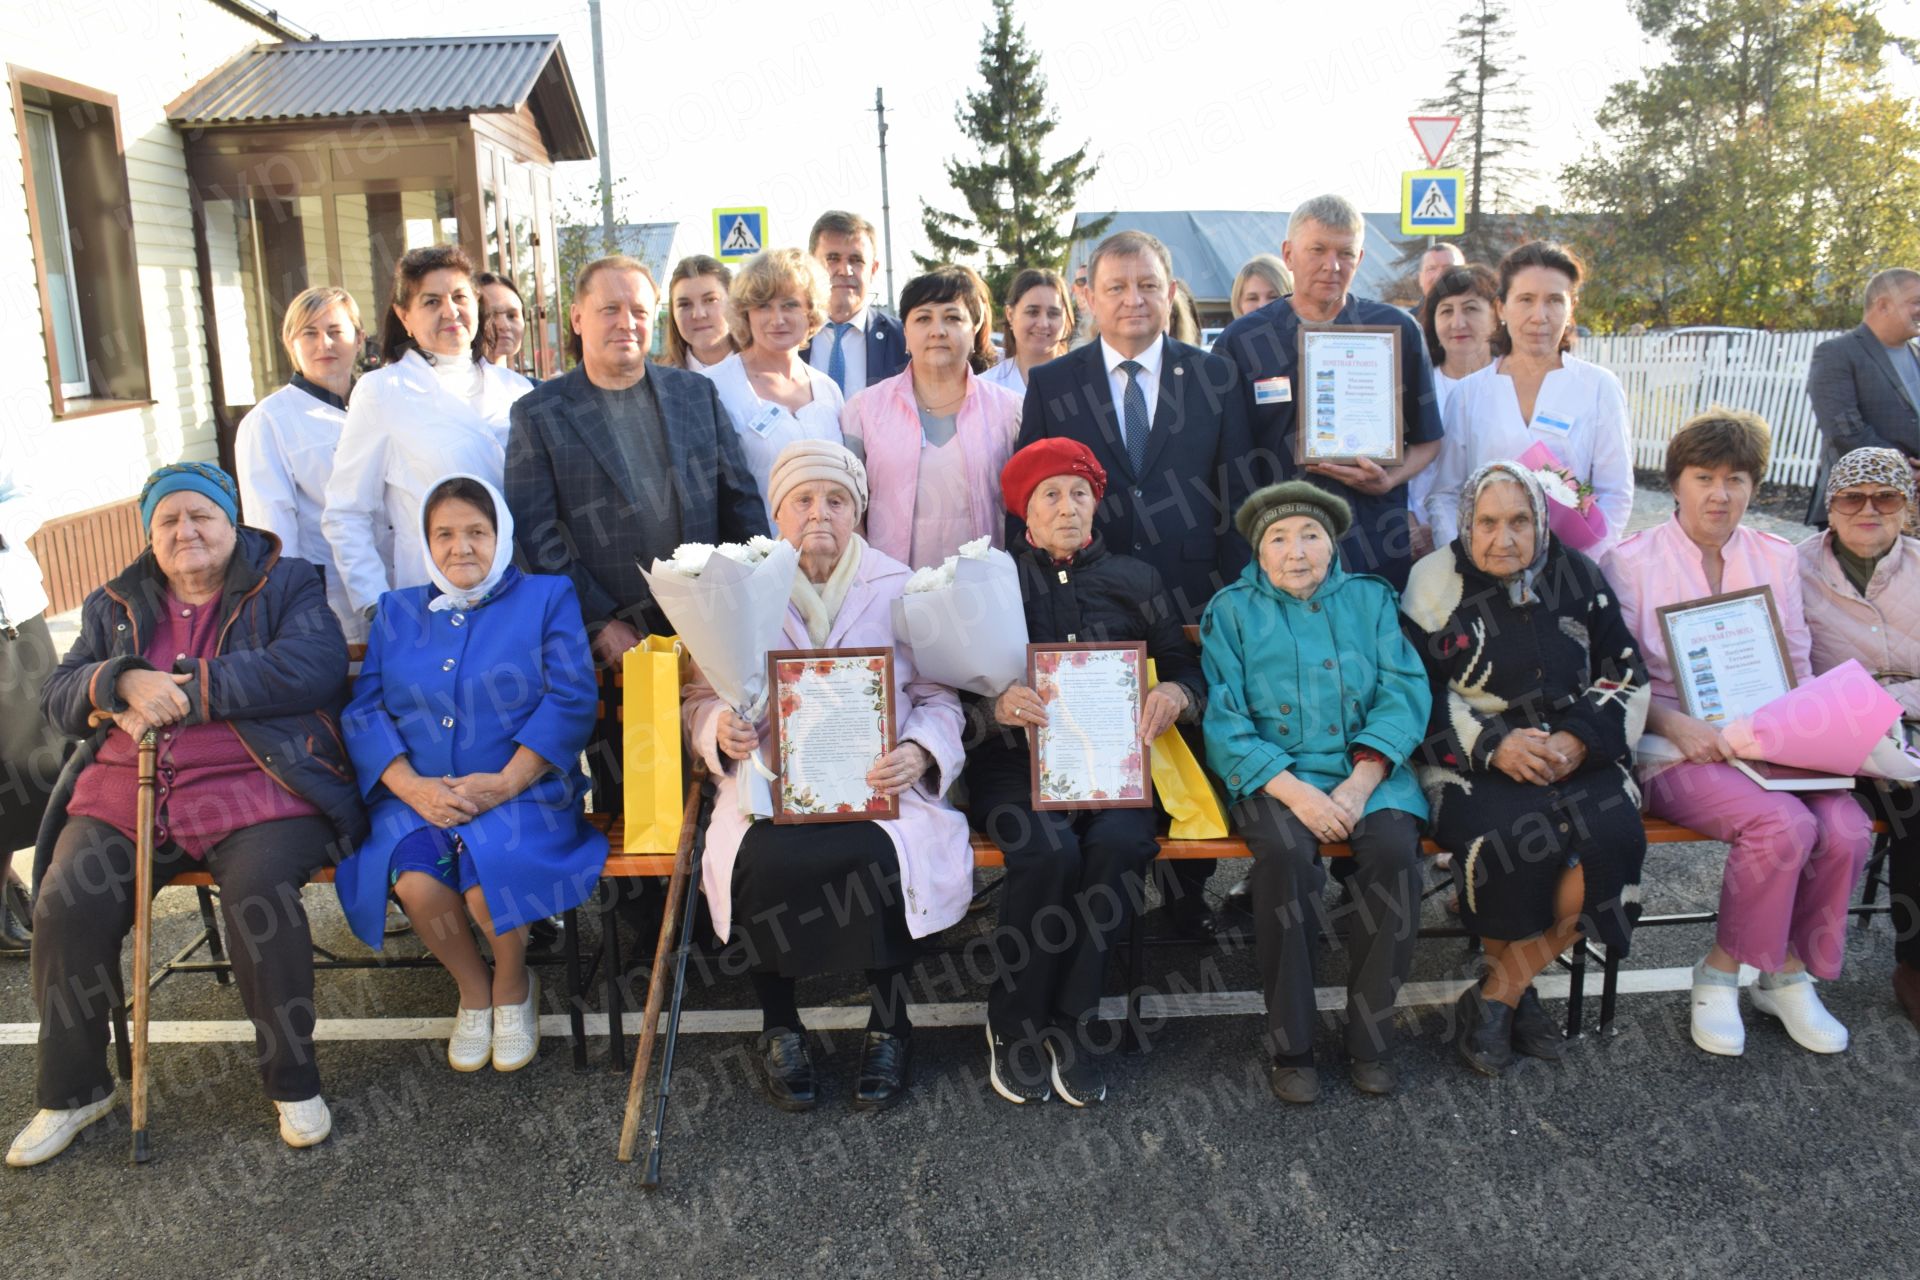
(1865, 385)
(1324, 249)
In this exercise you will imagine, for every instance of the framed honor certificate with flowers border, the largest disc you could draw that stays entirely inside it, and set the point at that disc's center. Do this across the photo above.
(832, 714)
(1089, 754)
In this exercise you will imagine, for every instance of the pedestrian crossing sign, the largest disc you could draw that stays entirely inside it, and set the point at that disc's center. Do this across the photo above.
(1430, 202)
(739, 233)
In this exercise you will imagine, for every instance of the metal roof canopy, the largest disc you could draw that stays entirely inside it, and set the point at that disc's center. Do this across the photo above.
(333, 79)
(1210, 246)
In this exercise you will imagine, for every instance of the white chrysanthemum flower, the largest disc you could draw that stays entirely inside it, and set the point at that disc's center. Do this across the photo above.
(1556, 487)
(931, 578)
(690, 559)
(978, 549)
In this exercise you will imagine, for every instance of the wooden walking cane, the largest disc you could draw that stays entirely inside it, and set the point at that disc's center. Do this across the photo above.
(677, 890)
(142, 940)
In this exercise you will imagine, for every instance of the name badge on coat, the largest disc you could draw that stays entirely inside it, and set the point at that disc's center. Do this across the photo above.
(1552, 426)
(1273, 391)
(763, 422)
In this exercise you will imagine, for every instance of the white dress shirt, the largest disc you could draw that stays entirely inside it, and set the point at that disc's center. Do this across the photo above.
(408, 428)
(764, 427)
(23, 592)
(283, 456)
(853, 350)
(1422, 483)
(1580, 414)
(1148, 378)
(1007, 374)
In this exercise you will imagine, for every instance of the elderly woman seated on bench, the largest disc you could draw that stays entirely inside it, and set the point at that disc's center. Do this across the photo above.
(1071, 876)
(815, 899)
(1315, 702)
(1861, 583)
(1793, 858)
(229, 654)
(467, 722)
(1539, 693)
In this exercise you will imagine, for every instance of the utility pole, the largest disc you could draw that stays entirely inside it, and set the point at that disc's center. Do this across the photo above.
(607, 244)
(886, 210)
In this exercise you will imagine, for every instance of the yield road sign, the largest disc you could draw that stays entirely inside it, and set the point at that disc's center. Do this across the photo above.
(1430, 202)
(1434, 134)
(739, 233)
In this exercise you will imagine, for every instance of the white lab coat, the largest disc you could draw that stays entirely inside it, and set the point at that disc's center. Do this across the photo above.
(406, 431)
(283, 455)
(1580, 414)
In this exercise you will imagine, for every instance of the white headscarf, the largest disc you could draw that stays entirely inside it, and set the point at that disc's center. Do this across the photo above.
(452, 597)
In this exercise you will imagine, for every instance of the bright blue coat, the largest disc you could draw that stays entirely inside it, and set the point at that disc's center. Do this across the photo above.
(458, 692)
(1297, 684)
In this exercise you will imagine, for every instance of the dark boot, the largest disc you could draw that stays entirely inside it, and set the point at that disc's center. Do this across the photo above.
(886, 1068)
(1485, 1039)
(1535, 1033)
(785, 1067)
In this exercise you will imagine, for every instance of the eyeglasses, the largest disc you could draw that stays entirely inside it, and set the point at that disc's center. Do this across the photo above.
(1885, 502)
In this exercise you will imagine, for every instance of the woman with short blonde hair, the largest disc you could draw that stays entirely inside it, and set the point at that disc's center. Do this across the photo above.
(777, 302)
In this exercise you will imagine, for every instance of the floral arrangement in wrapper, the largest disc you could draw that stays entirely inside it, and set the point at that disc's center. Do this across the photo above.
(1839, 722)
(728, 604)
(963, 621)
(1571, 511)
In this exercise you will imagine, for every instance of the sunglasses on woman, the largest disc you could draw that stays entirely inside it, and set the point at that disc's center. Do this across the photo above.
(1885, 502)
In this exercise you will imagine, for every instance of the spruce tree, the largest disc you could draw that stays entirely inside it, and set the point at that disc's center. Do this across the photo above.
(1016, 201)
(1484, 90)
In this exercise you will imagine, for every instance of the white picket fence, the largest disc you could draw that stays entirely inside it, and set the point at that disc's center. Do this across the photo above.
(1670, 377)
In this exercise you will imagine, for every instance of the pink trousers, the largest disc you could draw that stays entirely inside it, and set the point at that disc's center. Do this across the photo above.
(1791, 868)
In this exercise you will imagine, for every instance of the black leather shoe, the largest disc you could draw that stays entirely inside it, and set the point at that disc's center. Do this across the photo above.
(16, 920)
(1075, 1074)
(1298, 1085)
(544, 934)
(1535, 1033)
(785, 1068)
(1371, 1075)
(1015, 1070)
(886, 1069)
(1485, 1040)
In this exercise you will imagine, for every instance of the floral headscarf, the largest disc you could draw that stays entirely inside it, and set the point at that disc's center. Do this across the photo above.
(1520, 585)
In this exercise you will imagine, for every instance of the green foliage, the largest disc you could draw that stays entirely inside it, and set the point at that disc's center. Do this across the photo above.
(1756, 177)
(1016, 201)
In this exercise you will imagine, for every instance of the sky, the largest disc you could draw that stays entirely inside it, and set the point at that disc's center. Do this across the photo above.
(1186, 104)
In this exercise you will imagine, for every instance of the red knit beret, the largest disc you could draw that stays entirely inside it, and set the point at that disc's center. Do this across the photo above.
(1040, 461)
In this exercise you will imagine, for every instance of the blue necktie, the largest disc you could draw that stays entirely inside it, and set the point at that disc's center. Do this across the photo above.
(836, 358)
(1133, 415)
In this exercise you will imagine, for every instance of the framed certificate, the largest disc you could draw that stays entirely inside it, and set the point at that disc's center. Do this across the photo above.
(833, 720)
(1089, 755)
(1728, 654)
(1349, 394)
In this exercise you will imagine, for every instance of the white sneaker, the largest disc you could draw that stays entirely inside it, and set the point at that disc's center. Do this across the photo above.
(305, 1123)
(516, 1029)
(51, 1132)
(1798, 1007)
(1717, 1026)
(472, 1043)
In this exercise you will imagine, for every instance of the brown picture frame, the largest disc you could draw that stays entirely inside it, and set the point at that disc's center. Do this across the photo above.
(1142, 801)
(777, 662)
(1676, 660)
(1307, 395)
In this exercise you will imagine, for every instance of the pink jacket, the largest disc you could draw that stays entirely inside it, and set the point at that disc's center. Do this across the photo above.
(1662, 566)
(930, 836)
(884, 420)
(1881, 629)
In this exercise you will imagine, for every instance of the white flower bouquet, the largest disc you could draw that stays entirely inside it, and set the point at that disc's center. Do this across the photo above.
(963, 620)
(728, 605)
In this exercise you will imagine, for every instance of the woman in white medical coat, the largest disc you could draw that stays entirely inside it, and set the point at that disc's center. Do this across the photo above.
(1536, 392)
(432, 409)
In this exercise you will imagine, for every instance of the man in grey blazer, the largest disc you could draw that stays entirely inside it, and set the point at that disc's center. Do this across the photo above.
(622, 460)
(1865, 385)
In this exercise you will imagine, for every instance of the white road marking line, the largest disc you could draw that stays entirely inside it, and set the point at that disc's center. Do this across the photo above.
(968, 1013)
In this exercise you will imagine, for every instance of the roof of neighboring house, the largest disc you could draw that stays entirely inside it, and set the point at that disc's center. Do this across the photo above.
(457, 75)
(1210, 246)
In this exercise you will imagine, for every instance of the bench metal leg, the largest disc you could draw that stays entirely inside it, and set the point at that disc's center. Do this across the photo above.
(1876, 867)
(1576, 988)
(122, 1040)
(610, 953)
(1136, 978)
(1609, 988)
(576, 995)
(210, 920)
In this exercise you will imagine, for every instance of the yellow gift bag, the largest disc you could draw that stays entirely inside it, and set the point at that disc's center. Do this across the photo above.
(1182, 786)
(650, 746)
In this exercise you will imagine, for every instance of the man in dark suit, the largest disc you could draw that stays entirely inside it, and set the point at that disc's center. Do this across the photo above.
(1167, 423)
(858, 346)
(1323, 249)
(1865, 385)
(622, 460)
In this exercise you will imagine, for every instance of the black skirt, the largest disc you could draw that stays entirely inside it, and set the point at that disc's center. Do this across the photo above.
(30, 751)
(1511, 842)
(819, 898)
